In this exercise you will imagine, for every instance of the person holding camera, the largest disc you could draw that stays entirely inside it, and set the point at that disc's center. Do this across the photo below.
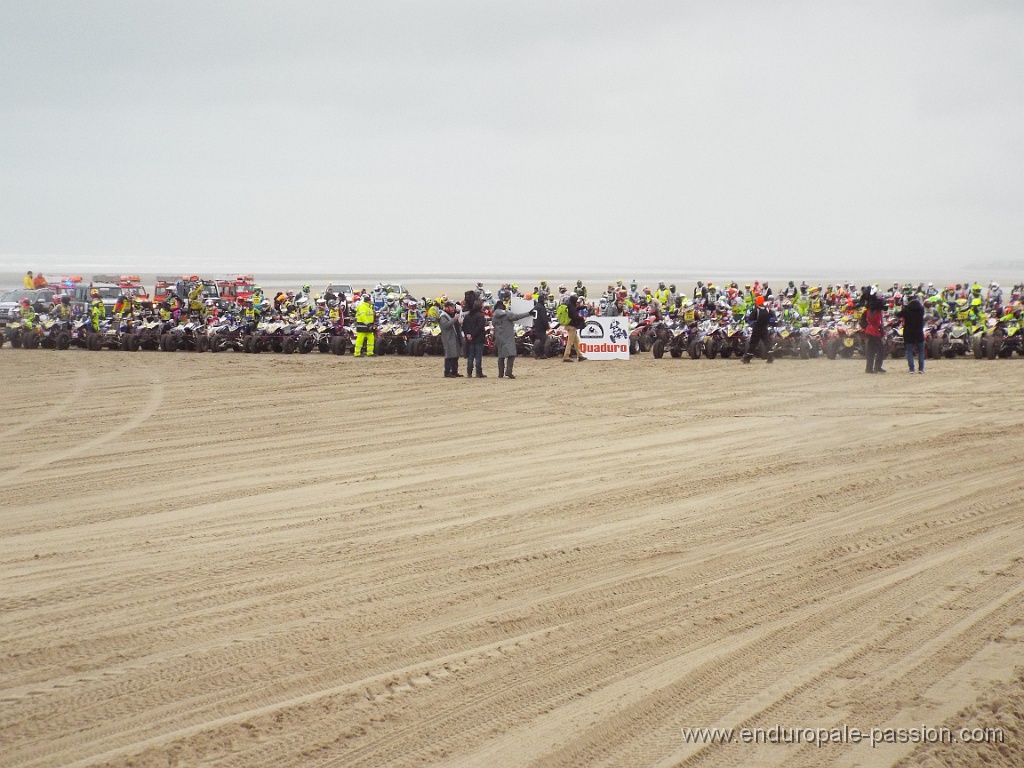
(576, 322)
(504, 321)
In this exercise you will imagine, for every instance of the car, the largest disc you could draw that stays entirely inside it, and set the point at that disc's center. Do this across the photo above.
(342, 289)
(10, 303)
(182, 288)
(81, 296)
(396, 288)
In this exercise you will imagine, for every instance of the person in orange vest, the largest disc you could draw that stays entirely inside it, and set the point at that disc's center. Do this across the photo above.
(39, 281)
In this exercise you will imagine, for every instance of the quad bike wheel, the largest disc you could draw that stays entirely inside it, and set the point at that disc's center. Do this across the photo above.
(658, 349)
(337, 345)
(693, 350)
(990, 346)
(95, 342)
(31, 340)
(63, 340)
(288, 346)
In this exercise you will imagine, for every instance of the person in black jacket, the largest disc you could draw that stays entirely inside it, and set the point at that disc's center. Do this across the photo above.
(912, 315)
(541, 324)
(474, 327)
(576, 322)
(758, 318)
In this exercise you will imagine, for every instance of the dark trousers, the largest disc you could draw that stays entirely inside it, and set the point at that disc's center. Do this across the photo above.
(474, 356)
(873, 352)
(540, 342)
(756, 337)
(451, 366)
(505, 365)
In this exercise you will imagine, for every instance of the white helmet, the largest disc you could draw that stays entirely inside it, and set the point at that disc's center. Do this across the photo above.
(303, 300)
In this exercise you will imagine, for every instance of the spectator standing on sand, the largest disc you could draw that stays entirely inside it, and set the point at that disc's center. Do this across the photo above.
(474, 326)
(505, 335)
(366, 327)
(451, 339)
(575, 323)
(912, 315)
(758, 318)
(872, 323)
(541, 323)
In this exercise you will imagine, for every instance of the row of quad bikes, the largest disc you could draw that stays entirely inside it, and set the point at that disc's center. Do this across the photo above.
(693, 341)
(276, 335)
(995, 340)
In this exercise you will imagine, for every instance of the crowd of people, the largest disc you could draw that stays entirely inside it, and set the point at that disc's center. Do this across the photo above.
(481, 315)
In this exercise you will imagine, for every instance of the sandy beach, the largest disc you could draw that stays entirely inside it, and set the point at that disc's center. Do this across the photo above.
(240, 560)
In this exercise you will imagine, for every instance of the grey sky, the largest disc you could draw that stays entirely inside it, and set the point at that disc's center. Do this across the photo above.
(482, 136)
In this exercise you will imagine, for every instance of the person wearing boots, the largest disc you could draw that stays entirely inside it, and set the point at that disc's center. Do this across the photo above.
(576, 322)
(758, 318)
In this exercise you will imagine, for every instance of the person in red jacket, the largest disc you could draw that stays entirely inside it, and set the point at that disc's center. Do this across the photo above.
(872, 323)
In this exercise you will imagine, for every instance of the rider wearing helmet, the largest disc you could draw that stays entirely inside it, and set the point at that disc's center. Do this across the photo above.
(123, 306)
(97, 311)
(662, 294)
(28, 314)
(62, 310)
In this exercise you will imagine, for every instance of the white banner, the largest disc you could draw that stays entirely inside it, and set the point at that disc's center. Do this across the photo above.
(518, 305)
(605, 338)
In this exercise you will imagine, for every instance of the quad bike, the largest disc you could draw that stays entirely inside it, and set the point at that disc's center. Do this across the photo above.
(56, 334)
(190, 336)
(228, 333)
(148, 331)
(429, 342)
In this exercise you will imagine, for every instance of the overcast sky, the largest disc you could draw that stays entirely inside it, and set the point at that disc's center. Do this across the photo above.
(484, 136)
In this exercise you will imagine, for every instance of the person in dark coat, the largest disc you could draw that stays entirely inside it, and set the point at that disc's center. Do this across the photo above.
(474, 326)
(541, 324)
(759, 318)
(505, 336)
(451, 339)
(912, 315)
(576, 322)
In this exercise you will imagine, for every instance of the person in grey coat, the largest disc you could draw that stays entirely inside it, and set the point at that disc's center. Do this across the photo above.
(451, 339)
(505, 336)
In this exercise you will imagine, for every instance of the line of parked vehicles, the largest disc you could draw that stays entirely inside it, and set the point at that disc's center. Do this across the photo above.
(408, 328)
(287, 333)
